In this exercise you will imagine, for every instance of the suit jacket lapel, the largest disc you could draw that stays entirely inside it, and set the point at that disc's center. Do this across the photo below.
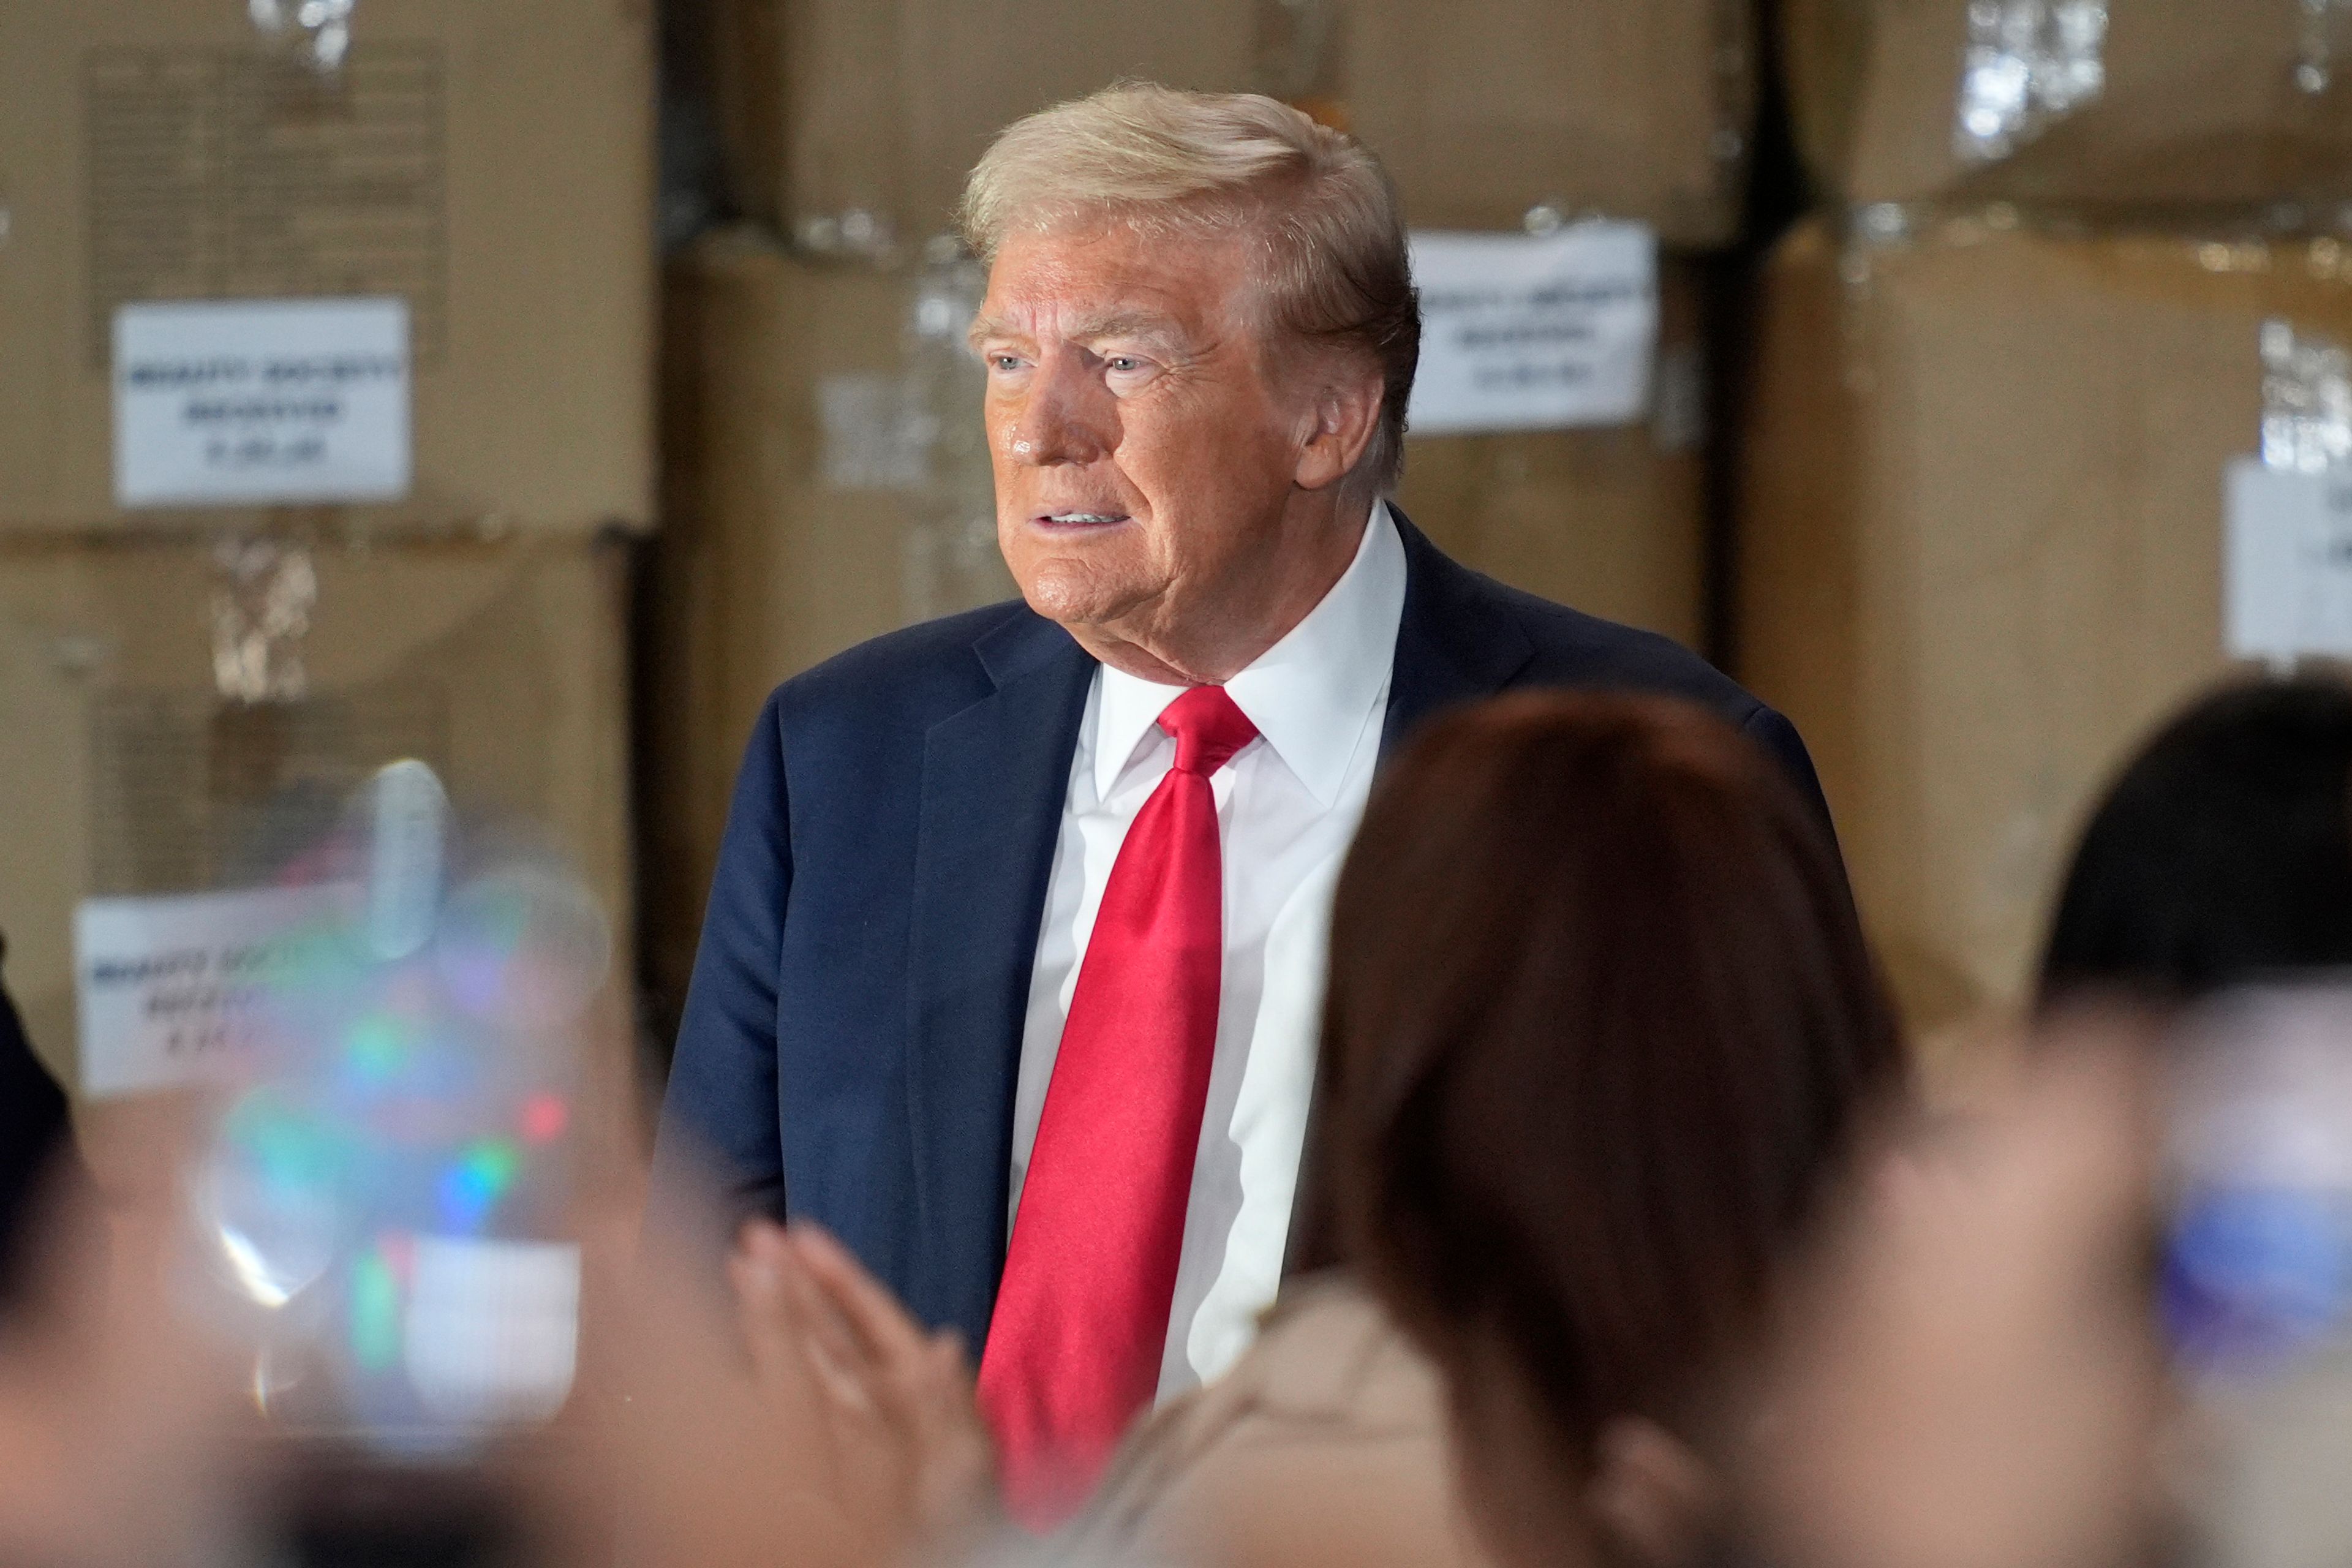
(995, 777)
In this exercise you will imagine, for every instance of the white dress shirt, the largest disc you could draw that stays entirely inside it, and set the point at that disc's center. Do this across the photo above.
(1287, 805)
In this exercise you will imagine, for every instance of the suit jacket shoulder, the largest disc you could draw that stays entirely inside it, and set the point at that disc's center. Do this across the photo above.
(1572, 644)
(1467, 636)
(918, 674)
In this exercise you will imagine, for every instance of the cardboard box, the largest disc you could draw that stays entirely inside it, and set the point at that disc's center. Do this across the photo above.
(2164, 104)
(1981, 547)
(827, 481)
(500, 666)
(1611, 520)
(487, 163)
(851, 124)
(1485, 110)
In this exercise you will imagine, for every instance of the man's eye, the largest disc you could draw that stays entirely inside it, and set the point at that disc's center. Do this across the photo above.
(1005, 361)
(1121, 361)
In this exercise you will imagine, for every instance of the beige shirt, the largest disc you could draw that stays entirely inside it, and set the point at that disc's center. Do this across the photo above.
(1325, 1444)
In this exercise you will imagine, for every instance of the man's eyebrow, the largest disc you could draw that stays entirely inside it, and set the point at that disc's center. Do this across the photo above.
(1133, 324)
(1129, 324)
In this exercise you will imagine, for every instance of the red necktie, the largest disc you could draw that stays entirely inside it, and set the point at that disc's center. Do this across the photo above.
(1081, 1322)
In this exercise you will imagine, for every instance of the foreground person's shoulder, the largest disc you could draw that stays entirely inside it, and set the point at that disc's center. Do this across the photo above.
(1325, 1443)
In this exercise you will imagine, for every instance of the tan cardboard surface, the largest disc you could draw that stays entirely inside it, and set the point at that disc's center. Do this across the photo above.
(1482, 110)
(1609, 521)
(830, 107)
(1485, 109)
(2200, 107)
(490, 161)
(1982, 543)
(503, 666)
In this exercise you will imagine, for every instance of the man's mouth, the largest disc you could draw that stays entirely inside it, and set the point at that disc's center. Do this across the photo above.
(1075, 521)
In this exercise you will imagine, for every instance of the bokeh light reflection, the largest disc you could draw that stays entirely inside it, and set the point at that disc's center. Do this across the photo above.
(395, 1160)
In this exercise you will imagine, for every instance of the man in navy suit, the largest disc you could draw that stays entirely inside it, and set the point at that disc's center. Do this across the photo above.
(1012, 965)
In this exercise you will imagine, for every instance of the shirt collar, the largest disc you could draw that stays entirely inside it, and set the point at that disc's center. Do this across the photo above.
(1310, 695)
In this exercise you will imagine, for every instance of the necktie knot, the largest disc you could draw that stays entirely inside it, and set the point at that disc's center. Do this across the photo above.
(1208, 727)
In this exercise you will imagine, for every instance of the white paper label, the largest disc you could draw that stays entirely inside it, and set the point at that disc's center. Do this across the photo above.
(1535, 332)
(172, 989)
(2288, 572)
(493, 1328)
(225, 401)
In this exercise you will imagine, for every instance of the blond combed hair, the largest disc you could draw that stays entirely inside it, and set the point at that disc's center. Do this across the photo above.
(1329, 235)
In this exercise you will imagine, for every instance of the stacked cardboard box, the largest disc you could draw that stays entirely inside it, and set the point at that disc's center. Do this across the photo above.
(1984, 541)
(1483, 110)
(850, 124)
(2159, 105)
(2016, 394)
(502, 666)
(328, 368)
(486, 164)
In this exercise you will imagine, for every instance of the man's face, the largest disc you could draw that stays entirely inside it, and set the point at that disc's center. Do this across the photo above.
(1144, 456)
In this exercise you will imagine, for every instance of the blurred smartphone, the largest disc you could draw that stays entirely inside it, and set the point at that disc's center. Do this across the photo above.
(2255, 1290)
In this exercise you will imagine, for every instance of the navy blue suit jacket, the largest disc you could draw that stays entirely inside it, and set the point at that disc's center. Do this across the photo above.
(852, 1033)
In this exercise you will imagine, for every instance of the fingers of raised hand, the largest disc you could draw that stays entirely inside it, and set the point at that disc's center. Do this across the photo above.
(886, 1332)
(799, 1346)
(774, 1333)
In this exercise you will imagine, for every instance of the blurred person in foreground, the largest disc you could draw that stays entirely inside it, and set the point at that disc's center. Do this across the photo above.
(1009, 972)
(1600, 1026)
(1980, 1381)
(2222, 855)
(36, 1154)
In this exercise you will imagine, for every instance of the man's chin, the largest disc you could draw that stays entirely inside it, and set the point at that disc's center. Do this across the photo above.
(1080, 595)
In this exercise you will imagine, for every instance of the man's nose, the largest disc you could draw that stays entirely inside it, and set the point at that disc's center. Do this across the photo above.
(1066, 418)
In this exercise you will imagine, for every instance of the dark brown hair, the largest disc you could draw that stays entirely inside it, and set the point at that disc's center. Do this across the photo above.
(1601, 1021)
(2221, 857)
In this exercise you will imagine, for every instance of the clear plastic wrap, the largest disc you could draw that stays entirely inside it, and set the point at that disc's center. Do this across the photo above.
(2188, 113)
(2306, 400)
(2027, 63)
(318, 31)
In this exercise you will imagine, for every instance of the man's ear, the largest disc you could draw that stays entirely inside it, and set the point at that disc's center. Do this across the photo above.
(1347, 412)
(1651, 1496)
